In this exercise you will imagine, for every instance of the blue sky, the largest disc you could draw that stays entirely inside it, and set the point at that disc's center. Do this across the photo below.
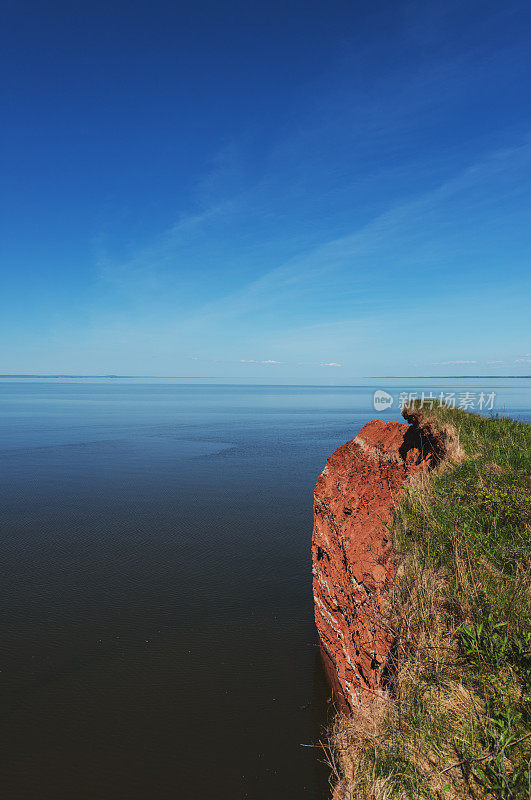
(306, 190)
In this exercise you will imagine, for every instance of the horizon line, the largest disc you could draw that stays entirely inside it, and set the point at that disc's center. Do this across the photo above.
(239, 377)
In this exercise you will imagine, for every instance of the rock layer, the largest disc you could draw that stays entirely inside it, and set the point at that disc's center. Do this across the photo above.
(353, 562)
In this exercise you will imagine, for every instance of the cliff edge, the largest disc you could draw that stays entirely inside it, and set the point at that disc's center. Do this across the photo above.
(353, 562)
(455, 718)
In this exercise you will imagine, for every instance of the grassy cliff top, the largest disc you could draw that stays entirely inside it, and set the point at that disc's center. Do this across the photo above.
(456, 723)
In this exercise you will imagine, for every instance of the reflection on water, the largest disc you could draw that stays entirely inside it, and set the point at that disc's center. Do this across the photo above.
(157, 619)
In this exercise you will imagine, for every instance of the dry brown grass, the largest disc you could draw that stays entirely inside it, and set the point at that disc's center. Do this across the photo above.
(417, 727)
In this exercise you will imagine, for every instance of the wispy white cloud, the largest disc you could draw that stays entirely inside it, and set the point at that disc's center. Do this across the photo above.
(257, 361)
(376, 272)
(373, 245)
(448, 363)
(229, 203)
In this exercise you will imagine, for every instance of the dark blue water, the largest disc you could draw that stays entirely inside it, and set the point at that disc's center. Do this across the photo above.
(157, 625)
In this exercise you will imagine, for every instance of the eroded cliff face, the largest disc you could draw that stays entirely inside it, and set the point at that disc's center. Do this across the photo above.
(353, 563)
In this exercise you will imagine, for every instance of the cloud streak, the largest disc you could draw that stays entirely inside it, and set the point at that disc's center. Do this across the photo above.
(252, 260)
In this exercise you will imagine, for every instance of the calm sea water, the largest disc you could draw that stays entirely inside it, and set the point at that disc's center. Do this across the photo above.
(157, 632)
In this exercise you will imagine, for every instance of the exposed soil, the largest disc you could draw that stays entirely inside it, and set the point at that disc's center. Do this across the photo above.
(353, 562)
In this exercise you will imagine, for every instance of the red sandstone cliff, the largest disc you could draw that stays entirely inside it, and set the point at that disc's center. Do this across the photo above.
(353, 563)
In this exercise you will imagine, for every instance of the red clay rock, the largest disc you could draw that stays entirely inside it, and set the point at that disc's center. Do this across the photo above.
(353, 562)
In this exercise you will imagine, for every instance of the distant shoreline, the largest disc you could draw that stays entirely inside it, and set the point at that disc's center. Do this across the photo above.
(259, 377)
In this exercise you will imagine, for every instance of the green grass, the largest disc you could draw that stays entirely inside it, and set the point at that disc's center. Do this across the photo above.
(457, 724)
